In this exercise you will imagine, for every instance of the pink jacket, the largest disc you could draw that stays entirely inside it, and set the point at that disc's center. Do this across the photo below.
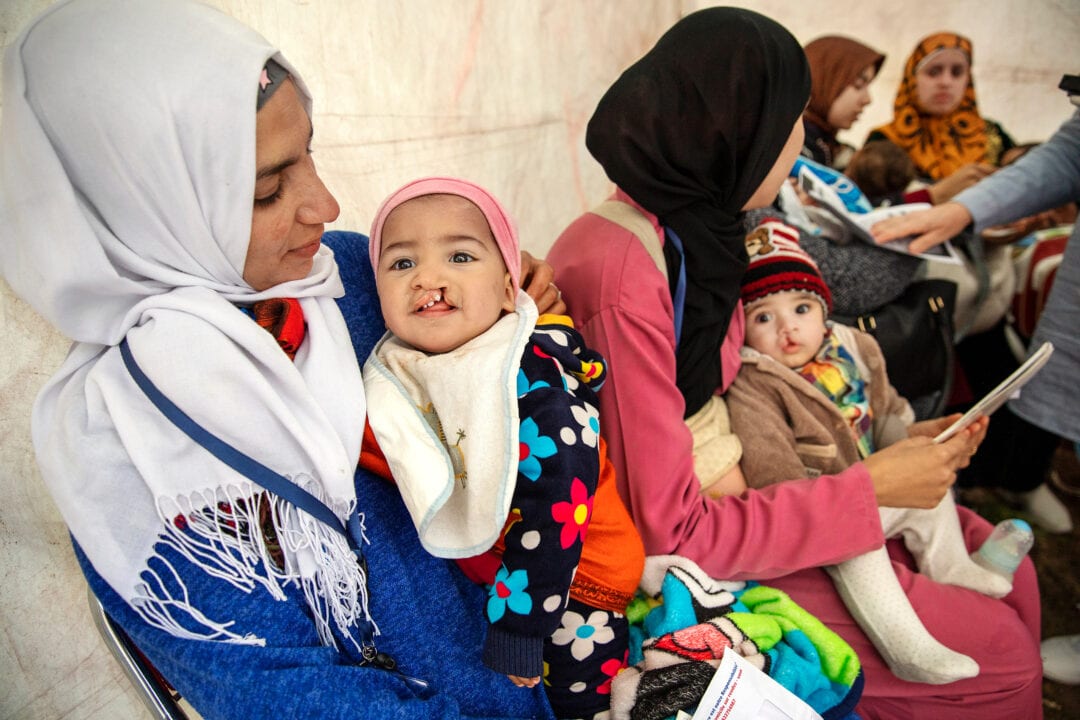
(621, 303)
(785, 532)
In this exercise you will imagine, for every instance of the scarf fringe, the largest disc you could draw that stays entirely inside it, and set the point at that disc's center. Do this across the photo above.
(221, 532)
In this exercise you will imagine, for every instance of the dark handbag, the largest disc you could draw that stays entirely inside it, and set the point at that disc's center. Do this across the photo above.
(916, 334)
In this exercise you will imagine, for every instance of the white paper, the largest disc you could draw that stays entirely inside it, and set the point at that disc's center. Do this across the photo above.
(859, 224)
(739, 691)
(1005, 391)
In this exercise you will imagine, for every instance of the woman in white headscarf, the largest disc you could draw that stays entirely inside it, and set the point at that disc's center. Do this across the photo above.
(161, 208)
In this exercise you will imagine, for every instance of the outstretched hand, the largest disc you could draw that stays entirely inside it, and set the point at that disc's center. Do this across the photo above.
(961, 179)
(536, 280)
(928, 227)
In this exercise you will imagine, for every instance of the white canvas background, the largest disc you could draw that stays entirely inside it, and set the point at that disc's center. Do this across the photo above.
(498, 91)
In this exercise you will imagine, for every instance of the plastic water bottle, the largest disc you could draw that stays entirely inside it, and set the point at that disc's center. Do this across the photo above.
(1005, 548)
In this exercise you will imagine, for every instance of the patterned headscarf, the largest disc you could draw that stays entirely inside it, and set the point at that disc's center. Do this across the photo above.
(937, 144)
(835, 63)
(689, 132)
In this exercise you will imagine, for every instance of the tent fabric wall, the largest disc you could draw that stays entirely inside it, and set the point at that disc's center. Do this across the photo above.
(499, 92)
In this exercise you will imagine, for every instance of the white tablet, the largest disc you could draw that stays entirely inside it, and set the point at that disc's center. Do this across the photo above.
(1002, 393)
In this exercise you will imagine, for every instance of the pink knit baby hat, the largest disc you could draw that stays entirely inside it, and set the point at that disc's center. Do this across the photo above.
(502, 227)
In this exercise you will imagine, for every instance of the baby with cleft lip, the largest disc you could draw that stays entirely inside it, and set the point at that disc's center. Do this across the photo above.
(813, 398)
(487, 418)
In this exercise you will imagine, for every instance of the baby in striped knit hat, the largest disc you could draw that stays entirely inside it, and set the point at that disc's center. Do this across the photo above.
(813, 398)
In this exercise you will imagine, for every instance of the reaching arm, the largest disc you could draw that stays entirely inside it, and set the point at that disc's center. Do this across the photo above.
(1044, 178)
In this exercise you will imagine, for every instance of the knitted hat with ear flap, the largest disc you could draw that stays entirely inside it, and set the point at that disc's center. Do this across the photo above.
(778, 264)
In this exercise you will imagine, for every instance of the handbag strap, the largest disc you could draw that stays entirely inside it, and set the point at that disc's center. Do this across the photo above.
(244, 464)
(630, 218)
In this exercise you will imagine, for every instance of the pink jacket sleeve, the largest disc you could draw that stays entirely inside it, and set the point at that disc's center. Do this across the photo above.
(620, 301)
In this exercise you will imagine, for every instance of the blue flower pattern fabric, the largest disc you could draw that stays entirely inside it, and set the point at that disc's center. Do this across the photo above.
(554, 465)
(536, 628)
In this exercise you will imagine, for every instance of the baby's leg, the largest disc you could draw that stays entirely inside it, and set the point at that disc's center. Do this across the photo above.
(936, 542)
(869, 588)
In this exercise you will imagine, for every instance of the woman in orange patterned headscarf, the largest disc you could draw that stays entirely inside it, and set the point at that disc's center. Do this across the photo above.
(935, 117)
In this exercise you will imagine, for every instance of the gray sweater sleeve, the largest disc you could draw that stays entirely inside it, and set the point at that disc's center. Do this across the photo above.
(1045, 178)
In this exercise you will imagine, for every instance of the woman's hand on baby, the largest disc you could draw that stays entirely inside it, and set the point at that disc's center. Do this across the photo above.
(536, 280)
(928, 227)
(961, 179)
(524, 681)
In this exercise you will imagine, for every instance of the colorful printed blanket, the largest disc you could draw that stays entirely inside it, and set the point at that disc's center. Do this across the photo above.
(682, 620)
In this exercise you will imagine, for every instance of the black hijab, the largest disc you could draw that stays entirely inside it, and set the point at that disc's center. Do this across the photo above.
(689, 131)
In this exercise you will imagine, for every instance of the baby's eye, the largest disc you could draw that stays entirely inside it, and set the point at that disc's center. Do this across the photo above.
(802, 308)
(401, 264)
(461, 257)
(762, 318)
(957, 71)
(934, 71)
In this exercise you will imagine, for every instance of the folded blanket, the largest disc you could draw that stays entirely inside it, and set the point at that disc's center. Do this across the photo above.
(682, 620)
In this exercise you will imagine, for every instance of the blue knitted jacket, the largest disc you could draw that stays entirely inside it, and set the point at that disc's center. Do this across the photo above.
(430, 615)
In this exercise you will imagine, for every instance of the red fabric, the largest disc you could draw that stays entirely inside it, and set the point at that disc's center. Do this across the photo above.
(371, 455)
(920, 195)
(284, 319)
(1038, 270)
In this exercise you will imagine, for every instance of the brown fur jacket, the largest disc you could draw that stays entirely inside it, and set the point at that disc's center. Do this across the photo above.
(789, 429)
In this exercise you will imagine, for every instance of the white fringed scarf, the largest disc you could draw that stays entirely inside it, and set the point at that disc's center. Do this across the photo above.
(128, 171)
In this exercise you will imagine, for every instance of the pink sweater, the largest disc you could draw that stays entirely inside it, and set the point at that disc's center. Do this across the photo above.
(783, 533)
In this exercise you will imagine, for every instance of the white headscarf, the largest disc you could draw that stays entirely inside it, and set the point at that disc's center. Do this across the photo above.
(127, 181)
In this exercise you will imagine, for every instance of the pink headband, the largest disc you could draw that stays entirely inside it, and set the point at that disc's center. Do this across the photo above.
(502, 227)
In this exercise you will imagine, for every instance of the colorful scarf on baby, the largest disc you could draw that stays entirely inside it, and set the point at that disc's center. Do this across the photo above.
(681, 622)
(834, 373)
(937, 144)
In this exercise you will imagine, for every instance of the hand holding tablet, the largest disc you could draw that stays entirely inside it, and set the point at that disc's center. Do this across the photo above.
(1002, 393)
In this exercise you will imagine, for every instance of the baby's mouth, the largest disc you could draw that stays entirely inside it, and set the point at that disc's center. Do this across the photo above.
(430, 300)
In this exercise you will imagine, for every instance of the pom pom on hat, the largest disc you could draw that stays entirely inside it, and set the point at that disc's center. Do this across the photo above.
(778, 264)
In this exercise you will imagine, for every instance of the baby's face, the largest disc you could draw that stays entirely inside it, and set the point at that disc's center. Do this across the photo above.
(789, 327)
(440, 277)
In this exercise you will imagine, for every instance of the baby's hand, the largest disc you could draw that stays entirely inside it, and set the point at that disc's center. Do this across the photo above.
(524, 682)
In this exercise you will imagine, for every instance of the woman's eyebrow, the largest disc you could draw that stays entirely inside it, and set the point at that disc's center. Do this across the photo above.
(278, 167)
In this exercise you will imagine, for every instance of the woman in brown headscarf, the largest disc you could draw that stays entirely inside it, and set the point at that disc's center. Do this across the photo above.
(936, 118)
(841, 70)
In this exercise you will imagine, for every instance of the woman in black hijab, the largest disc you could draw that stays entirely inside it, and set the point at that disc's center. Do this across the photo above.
(691, 136)
(704, 127)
